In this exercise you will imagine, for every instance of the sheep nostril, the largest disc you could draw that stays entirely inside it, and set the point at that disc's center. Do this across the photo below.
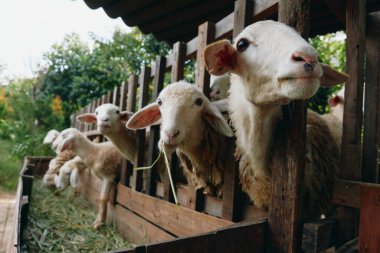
(303, 57)
(307, 67)
(175, 133)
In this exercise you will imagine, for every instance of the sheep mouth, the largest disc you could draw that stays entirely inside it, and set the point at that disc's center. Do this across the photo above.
(295, 78)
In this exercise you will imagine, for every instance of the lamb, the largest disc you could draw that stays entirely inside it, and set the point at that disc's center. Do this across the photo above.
(271, 65)
(55, 164)
(334, 118)
(219, 87)
(103, 159)
(193, 127)
(69, 174)
(111, 123)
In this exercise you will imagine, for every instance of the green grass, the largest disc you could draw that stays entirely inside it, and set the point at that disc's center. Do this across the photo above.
(9, 167)
(63, 223)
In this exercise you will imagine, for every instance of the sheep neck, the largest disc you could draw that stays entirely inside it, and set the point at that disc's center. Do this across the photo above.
(125, 141)
(83, 147)
(254, 126)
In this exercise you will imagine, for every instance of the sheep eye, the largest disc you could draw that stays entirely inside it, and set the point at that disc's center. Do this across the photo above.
(96, 113)
(199, 101)
(159, 102)
(117, 112)
(242, 44)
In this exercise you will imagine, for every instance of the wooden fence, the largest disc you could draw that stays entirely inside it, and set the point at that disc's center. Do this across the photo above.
(143, 206)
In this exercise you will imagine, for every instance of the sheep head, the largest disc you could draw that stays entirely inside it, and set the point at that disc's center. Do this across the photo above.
(67, 137)
(50, 136)
(181, 108)
(107, 117)
(273, 63)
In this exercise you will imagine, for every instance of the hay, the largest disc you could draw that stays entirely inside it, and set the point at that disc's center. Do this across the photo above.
(63, 223)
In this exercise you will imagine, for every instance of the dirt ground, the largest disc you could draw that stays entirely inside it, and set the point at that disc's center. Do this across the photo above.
(7, 204)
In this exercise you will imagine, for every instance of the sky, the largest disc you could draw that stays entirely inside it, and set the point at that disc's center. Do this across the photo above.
(28, 28)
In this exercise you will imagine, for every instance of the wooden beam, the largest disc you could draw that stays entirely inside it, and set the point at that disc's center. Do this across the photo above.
(369, 233)
(338, 8)
(179, 54)
(319, 235)
(353, 106)
(206, 32)
(371, 138)
(285, 212)
(123, 96)
(243, 13)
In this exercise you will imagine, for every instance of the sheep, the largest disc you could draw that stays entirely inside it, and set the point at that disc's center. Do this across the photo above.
(219, 87)
(334, 118)
(271, 65)
(55, 164)
(193, 127)
(69, 174)
(111, 123)
(103, 159)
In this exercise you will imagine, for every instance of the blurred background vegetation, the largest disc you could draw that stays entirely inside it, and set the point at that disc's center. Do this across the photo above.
(77, 73)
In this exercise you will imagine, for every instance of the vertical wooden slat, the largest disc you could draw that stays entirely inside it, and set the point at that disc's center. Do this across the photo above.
(158, 83)
(139, 160)
(132, 89)
(206, 33)
(352, 120)
(285, 212)
(369, 235)
(179, 54)
(371, 103)
(123, 96)
(232, 193)
(116, 95)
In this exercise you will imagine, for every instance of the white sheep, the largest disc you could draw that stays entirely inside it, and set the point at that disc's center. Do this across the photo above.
(334, 118)
(193, 127)
(52, 138)
(271, 65)
(219, 86)
(69, 174)
(111, 123)
(103, 159)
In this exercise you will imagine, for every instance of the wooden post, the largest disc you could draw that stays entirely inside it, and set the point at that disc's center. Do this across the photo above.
(179, 55)
(123, 96)
(371, 138)
(353, 106)
(116, 95)
(139, 160)
(285, 212)
(158, 84)
(206, 32)
(232, 192)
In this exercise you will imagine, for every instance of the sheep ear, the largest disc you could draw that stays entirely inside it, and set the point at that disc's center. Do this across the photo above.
(124, 116)
(65, 144)
(332, 77)
(50, 137)
(222, 105)
(333, 101)
(88, 118)
(74, 178)
(220, 57)
(215, 118)
(147, 116)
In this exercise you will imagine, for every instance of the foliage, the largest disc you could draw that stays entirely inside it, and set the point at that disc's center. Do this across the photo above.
(79, 74)
(332, 51)
(9, 167)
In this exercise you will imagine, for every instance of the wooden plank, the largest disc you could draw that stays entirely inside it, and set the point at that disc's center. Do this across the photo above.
(177, 220)
(346, 193)
(116, 95)
(353, 104)
(206, 32)
(319, 235)
(137, 178)
(370, 172)
(179, 54)
(285, 212)
(263, 9)
(123, 96)
(132, 89)
(213, 206)
(242, 238)
(252, 213)
(198, 243)
(369, 232)
(158, 84)
(137, 230)
(242, 15)
(338, 8)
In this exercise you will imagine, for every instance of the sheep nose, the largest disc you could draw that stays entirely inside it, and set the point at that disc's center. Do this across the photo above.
(172, 134)
(105, 119)
(310, 59)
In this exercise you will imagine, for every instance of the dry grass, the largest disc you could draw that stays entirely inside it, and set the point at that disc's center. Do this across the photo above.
(63, 223)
